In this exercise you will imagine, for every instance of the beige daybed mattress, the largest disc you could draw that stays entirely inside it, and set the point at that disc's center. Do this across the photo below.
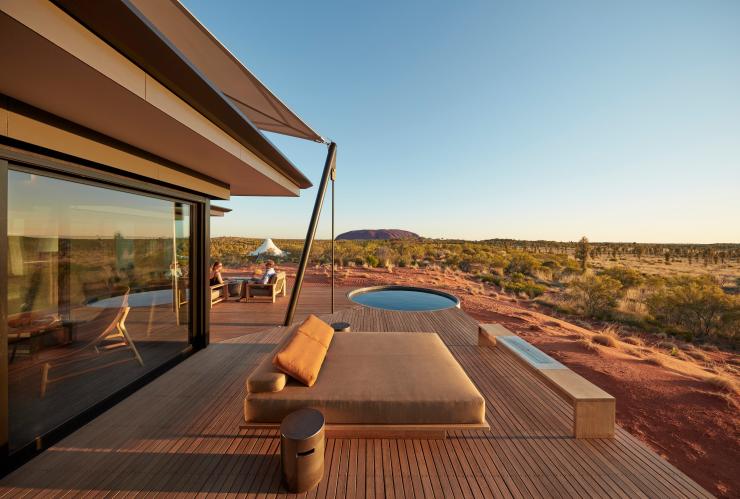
(375, 379)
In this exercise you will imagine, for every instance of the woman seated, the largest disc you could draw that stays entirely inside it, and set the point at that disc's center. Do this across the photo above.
(215, 277)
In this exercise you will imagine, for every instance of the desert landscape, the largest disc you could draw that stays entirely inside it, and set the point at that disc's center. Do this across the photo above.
(612, 317)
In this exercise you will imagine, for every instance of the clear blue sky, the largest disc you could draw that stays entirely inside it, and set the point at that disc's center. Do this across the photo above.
(530, 120)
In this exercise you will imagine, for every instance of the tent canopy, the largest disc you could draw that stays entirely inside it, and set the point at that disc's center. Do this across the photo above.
(268, 248)
(221, 67)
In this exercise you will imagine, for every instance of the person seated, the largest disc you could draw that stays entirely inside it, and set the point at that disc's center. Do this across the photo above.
(269, 272)
(215, 277)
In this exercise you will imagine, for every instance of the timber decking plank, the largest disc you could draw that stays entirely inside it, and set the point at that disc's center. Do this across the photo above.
(179, 434)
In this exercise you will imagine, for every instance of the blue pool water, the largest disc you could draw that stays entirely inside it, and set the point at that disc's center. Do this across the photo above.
(400, 298)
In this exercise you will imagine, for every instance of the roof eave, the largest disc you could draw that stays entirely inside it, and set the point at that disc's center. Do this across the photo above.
(123, 27)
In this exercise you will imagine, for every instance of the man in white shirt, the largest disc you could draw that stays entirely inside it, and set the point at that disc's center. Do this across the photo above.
(269, 272)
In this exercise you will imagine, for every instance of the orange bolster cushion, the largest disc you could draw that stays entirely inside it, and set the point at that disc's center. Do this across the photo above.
(302, 357)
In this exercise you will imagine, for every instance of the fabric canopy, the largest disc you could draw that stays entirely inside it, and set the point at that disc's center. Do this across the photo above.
(223, 69)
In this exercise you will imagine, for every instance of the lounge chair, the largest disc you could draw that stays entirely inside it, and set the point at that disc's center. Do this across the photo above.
(103, 334)
(400, 385)
(265, 292)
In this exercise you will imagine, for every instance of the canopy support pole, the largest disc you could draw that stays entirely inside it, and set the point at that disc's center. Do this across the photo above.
(329, 167)
(333, 262)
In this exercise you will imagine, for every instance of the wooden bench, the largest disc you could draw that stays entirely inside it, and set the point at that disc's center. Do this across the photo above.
(593, 408)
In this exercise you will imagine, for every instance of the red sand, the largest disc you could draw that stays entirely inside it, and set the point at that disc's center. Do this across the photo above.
(684, 419)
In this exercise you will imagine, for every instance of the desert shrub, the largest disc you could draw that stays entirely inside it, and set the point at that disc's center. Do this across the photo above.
(607, 337)
(490, 279)
(725, 383)
(551, 264)
(605, 340)
(588, 344)
(654, 358)
(519, 283)
(666, 345)
(697, 306)
(372, 261)
(595, 295)
(633, 340)
(522, 263)
(697, 354)
(543, 274)
(385, 255)
(633, 302)
(628, 277)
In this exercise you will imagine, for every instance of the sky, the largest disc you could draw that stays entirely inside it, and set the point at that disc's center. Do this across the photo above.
(529, 120)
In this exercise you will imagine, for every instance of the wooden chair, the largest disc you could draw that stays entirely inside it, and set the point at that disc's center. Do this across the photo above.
(265, 292)
(106, 333)
(219, 292)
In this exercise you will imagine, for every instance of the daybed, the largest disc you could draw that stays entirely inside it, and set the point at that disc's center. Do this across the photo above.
(374, 384)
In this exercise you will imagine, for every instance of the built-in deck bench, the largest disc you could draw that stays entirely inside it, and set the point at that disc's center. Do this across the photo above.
(593, 408)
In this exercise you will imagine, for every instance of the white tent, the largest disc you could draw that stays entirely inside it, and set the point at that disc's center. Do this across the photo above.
(268, 248)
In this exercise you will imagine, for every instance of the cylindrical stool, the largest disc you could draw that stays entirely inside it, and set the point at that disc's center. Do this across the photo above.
(341, 326)
(302, 449)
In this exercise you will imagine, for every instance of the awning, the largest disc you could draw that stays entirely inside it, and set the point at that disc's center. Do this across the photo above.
(223, 69)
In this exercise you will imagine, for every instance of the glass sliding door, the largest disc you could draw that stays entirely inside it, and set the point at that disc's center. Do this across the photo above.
(98, 295)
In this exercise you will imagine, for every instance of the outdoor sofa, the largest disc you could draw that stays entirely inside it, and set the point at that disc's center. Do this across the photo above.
(373, 385)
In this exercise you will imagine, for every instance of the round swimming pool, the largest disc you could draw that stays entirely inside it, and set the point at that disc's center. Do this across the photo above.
(404, 298)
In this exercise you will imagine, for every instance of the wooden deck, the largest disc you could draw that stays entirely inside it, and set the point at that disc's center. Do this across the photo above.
(232, 319)
(180, 435)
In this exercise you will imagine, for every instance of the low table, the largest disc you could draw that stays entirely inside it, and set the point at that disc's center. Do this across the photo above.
(302, 449)
(344, 327)
(235, 286)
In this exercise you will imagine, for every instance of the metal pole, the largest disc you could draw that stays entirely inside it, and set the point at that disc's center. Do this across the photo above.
(333, 177)
(329, 165)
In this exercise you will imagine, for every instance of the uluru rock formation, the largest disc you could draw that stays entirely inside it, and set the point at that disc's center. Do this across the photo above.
(382, 234)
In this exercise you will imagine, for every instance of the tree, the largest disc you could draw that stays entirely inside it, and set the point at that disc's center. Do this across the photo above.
(583, 248)
(638, 252)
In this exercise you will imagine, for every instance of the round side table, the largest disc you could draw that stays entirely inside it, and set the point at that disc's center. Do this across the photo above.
(302, 449)
(344, 327)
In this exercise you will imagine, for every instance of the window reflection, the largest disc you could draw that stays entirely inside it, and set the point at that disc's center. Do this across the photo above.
(98, 290)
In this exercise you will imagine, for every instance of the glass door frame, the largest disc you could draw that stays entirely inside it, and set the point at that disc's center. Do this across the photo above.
(14, 158)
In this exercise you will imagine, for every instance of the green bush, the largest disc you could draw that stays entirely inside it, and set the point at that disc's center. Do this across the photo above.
(490, 279)
(697, 306)
(629, 278)
(595, 295)
(522, 263)
(372, 260)
(519, 283)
